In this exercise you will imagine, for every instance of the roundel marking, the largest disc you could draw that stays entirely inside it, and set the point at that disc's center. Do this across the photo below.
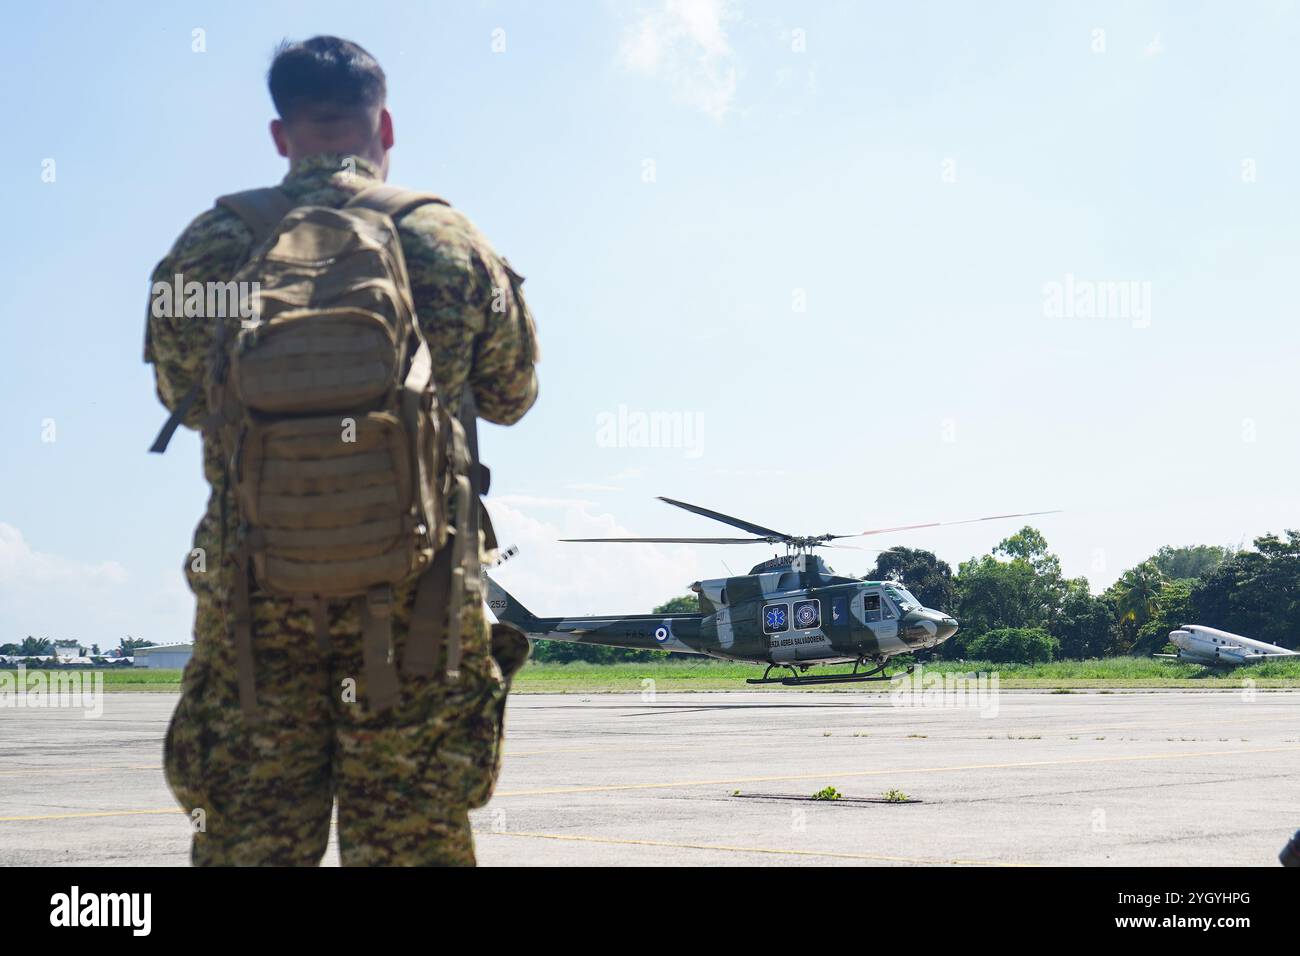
(662, 634)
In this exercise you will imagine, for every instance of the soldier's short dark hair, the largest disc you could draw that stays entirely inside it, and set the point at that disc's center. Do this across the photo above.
(324, 74)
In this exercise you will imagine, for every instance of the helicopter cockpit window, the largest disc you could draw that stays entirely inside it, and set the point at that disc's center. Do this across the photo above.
(871, 607)
(904, 599)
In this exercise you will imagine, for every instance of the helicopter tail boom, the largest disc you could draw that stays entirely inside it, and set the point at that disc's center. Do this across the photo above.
(671, 632)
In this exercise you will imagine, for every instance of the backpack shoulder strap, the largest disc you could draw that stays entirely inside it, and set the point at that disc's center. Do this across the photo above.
(260, 209)
(392, 201)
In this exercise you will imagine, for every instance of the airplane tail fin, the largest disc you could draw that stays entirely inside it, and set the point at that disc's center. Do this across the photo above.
(508, 609)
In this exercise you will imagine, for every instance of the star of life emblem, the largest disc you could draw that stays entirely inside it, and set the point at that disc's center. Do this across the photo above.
(774, 618)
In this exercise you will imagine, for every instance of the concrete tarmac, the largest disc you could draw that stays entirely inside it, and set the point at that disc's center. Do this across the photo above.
(715, 779)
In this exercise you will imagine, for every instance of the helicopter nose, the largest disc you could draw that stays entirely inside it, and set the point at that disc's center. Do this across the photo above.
(926, 628)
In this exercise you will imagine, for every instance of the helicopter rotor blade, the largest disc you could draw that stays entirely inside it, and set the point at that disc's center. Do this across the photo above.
(758, 529)
(938, 524)
(770, 536)
(672, 540)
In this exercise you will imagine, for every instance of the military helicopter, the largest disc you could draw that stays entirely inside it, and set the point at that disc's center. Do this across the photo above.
(791, 612)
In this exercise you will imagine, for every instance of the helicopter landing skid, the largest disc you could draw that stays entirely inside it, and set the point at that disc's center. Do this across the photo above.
(797, 681)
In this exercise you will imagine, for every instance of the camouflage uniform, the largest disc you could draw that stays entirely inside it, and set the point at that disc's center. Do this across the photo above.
(406, 778)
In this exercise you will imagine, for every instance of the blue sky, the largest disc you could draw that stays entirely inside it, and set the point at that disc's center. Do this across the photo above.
(819, 233)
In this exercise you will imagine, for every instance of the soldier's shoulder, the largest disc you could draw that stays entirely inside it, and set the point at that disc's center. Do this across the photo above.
(442, 235)
(215, 232)
(440, 219)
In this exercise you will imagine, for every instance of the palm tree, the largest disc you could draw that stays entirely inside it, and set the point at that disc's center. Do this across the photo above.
(36, 647)
(1137, 592)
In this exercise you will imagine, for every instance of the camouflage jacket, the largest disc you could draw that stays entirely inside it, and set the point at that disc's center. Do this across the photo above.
(467, 298)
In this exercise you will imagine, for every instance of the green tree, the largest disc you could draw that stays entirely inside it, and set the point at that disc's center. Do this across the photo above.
(1085, 625)
(1191, 561)
(36, 647)
(1019, 585)
(992, 593)
(1173, 608)
(686, 604)
(1014, 645)
(920, 572)
(1028, 544)
(1136, 593)
(566, 652)
(1254, 593)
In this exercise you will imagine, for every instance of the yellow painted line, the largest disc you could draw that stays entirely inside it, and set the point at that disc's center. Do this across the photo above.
(892, 771)
(831, 854)
(101, 813)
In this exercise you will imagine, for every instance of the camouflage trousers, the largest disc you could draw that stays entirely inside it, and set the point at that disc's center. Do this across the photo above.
(261, 792)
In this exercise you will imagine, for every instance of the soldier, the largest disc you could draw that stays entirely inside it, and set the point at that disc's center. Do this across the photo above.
(260, 790)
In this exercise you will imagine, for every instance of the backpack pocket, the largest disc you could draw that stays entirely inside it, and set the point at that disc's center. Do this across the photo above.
(329, 504)
(315, 360)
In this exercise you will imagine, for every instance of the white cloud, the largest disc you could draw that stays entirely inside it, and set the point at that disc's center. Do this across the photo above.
(751, 472)
(1154, 48)
(685, 43)
(51, 595)
(592, 487)
(23, 570)
(550, 577)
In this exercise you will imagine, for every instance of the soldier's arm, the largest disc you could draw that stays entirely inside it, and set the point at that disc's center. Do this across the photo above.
(472, 313)
(211, 249)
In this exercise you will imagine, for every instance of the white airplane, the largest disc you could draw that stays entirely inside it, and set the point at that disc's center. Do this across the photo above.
(1198, 644)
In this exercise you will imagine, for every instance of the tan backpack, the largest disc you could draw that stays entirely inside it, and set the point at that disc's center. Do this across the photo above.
(341, 456)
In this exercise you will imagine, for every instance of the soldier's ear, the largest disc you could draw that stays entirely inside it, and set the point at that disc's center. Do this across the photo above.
(277, 134)
(385, 129)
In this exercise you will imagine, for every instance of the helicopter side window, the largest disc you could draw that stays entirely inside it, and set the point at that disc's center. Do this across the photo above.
(807, 614)
(776, 618)
(887, 611)
(871, 607)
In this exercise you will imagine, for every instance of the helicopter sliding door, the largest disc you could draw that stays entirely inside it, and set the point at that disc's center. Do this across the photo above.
(793, 630)
(810, 640)
(774, 618)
